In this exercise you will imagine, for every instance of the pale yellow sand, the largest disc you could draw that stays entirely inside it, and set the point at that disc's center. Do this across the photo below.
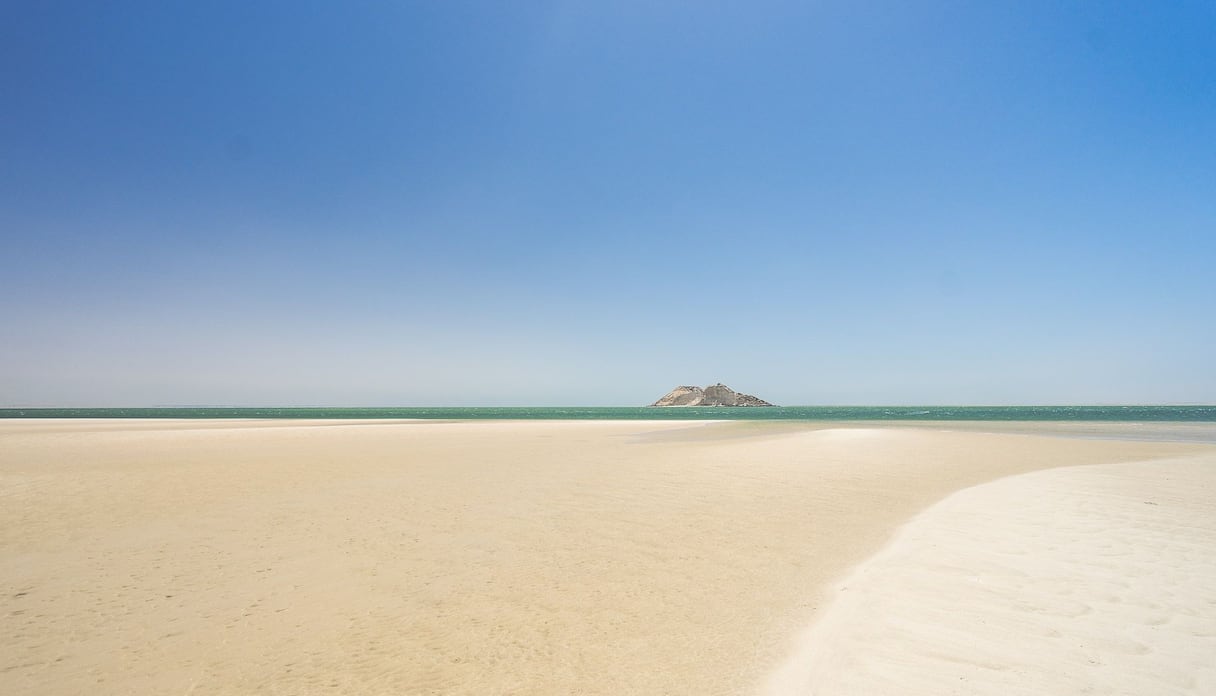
(453, 558)
(1084, 580)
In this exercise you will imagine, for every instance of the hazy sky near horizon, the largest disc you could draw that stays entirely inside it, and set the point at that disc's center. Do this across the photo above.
(583, 203)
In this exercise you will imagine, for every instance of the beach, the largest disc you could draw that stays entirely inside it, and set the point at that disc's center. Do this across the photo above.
(612, 557)
(1097, 581)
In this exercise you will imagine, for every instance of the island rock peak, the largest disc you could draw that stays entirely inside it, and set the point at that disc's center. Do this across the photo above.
(713, 395)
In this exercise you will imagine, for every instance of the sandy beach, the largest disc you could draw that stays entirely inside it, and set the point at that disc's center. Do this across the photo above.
(1099, 580)
(574, 557)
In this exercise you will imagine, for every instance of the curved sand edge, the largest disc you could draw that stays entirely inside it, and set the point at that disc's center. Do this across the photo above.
(452, 558)
(1092, 579)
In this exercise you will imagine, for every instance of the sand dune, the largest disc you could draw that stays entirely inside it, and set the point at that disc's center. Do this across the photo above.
(1089, 580)
(455, 558)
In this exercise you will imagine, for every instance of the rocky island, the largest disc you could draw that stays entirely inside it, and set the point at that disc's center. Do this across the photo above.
(713, 395)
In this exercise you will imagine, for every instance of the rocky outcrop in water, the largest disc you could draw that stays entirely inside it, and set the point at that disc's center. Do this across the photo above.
(713, 395)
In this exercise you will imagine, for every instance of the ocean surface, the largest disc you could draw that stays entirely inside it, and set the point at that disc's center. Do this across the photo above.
(1156, 414)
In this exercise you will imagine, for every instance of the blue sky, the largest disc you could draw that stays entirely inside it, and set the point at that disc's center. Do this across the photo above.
(588, 203)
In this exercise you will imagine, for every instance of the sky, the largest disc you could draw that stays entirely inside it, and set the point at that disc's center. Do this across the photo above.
(589, 203)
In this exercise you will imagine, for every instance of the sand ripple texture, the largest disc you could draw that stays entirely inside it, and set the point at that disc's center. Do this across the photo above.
(473, 558)
(1081, 580)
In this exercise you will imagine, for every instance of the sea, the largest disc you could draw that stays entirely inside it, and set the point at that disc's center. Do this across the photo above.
(1153, 414)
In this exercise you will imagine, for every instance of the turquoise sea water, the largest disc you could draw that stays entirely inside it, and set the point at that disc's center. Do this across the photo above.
(1193, 414)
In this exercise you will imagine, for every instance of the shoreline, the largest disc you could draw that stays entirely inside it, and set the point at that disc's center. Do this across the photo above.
(594, 556)
(1184, 432)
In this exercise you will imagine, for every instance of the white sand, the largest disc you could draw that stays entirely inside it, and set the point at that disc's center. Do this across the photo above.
(158, 557)
(1084, 580)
